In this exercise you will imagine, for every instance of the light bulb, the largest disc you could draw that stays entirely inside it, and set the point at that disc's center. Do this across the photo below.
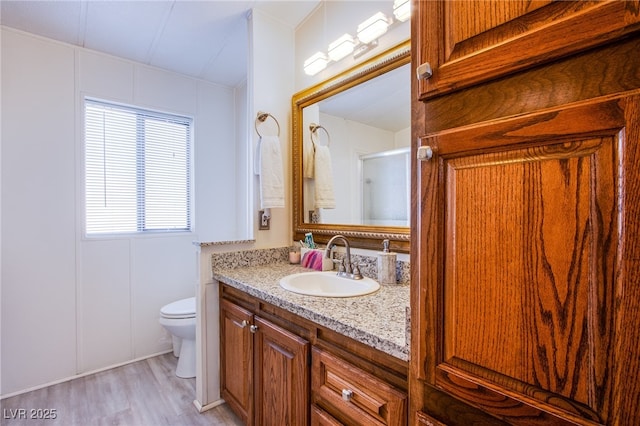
(316, 63)
(373, 28)
(341, 47)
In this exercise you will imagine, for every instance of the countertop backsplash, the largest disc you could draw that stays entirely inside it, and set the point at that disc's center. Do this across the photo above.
(261, 257)
(245, 258)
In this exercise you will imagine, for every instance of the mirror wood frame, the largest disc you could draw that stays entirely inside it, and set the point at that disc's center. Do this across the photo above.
(362, 236)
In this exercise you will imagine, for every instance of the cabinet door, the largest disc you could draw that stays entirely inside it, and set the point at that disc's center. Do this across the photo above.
(470, 41)
(282, 376)
(236, 359)
(533, 300)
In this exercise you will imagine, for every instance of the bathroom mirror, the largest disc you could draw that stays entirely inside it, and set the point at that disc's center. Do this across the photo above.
(361, 120)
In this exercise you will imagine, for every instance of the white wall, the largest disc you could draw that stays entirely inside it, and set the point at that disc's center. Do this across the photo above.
(271, 85)
(269, 89)
(403, 138)
(38, 213)
(71, 304)
(331, 20)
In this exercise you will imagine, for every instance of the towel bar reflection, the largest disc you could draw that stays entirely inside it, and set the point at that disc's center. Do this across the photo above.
(262, 117)
(313, 127)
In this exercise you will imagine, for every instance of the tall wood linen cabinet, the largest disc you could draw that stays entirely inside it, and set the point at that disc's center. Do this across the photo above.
(525, 213)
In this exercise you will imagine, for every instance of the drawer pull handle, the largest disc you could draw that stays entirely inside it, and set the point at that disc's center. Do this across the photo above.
(241, 325)
(347, 394)
(424, 71)
(253, 328)
(425, 153)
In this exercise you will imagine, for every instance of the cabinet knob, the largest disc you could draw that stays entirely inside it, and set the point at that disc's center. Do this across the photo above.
(253, 328)
(425, 153)
(347, 394)
(424, 71)
(243, 324)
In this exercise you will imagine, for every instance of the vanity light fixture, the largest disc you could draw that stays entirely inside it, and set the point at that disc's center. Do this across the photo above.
(315, 63)
(342, 47)
(402, 9)
(362, 48)
(367, 38)
(373, 28)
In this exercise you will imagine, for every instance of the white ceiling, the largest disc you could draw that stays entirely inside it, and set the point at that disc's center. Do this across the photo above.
(204, 39)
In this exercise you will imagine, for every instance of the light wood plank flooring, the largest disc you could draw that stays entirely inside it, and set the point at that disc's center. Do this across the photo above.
(144, 393)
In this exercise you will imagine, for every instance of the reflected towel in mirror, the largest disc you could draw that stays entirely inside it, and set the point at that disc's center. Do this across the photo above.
(308, 152)
(269, 166)
(324, 178)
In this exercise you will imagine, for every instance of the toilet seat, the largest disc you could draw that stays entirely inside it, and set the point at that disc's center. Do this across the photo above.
(185, 308)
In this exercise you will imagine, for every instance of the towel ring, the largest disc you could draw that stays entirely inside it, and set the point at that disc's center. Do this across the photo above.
(313, 127)
(262, 117)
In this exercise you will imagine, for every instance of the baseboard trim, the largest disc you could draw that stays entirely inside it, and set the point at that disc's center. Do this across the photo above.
(78, 376)
(202, 409)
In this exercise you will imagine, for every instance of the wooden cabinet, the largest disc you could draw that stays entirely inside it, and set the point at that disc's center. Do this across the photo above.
(467, 42)
(281, 374)
(525, 242)
(267, 369)
(528, 297)
(264, 369)
(236, 359)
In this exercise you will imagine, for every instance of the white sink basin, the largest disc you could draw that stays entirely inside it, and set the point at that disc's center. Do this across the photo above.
(328, 284)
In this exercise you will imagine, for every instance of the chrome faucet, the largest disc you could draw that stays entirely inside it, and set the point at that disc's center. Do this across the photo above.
(346, 269)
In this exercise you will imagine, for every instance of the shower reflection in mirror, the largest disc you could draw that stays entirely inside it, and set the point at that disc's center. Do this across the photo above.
(385, 180)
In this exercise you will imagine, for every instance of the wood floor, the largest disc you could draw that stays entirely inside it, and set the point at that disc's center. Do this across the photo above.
(144, 393)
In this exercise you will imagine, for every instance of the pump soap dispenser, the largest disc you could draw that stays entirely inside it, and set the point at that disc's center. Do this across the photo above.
(386, 265)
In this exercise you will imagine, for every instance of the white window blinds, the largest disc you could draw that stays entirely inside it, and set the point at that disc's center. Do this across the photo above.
(137, 170)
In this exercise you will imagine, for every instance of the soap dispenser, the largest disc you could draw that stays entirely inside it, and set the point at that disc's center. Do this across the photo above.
(386, 265)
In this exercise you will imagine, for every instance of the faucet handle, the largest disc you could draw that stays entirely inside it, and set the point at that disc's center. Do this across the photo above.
(343, 265)
(355, 268)
(340, 263)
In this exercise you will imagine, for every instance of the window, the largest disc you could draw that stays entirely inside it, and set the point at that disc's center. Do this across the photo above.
(137, 170)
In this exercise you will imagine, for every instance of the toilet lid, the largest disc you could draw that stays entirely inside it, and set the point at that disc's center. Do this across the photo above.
(185, 308)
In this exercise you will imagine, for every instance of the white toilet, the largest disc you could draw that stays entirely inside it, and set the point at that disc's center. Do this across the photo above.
(179, 318)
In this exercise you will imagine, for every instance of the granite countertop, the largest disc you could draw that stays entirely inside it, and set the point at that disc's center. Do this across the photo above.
(378, 320)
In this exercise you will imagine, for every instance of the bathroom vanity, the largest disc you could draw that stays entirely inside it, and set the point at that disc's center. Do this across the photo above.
(287, 358)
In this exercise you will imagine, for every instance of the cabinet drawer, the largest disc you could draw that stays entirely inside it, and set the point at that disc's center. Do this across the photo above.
(423, 419)
(354, 395)
(322, 418)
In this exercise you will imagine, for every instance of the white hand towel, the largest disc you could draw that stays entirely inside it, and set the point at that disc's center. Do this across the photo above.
(271, 175)
(307, 159)
(324, 178)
